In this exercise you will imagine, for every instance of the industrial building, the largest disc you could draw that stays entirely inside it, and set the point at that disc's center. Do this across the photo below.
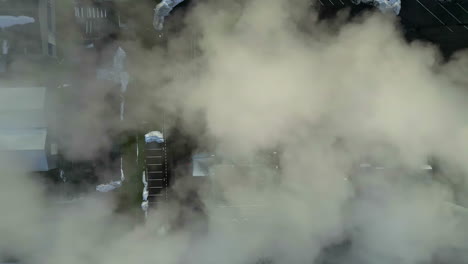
(27, 35)
(98, 21)
(24, 132)
(27, 28)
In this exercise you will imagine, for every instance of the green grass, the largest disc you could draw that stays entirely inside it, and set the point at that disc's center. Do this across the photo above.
(129, 196)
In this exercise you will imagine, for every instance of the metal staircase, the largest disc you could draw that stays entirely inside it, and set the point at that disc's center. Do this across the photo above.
(156, 172)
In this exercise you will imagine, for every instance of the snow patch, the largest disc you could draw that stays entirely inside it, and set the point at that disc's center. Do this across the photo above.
(62, 176)
(109, 186)
(137, 149)
(144, 204)
(426, 167)
(113, 184)
(117, 74)
(384, 6)
(124, 79)
(5, 47)
(161, 11)
(8, 21)
(122, 175)
(65, 85)
(119, 59)
(154, 136)
(122, 108)
(145, 187)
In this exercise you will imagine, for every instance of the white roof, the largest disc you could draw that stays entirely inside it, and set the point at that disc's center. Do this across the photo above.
(22, 98)
(23, 139)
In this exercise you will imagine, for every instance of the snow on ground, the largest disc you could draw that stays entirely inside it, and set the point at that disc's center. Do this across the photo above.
(161, 11)
(154, 136)
(383, 5)
(8, 21)
(108, 186)
(117, 74)
(144, 204)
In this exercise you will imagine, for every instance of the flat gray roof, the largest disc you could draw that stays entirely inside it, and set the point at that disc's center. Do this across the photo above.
(23, 139)
(22, 119)
(22, 98)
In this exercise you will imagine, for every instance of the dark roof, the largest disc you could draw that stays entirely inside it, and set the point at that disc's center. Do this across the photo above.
(444, 23)
(97, 20)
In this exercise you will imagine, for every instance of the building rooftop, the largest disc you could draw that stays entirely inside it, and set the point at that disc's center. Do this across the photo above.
(22, 118)
(23, 139)
(22, 98)
(444, 23)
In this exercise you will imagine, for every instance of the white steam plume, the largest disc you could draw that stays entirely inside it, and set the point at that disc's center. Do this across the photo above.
(330, 100)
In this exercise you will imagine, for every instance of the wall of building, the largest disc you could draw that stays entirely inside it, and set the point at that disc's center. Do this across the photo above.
(96, 20)
(46, 14)
(25, 38)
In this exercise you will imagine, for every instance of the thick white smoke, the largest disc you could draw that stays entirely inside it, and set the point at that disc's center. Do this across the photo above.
(330, 99)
